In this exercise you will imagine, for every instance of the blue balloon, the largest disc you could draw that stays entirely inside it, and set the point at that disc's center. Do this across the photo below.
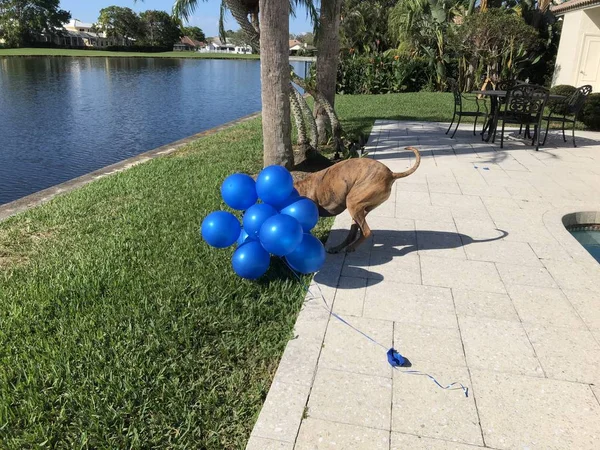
(308, 257)
(255, 216)
(220, 229)
(274, 184)
(243, 237)
(239, 191)
(305, 211)
(293, 196)
(250, 260)
(280, 234)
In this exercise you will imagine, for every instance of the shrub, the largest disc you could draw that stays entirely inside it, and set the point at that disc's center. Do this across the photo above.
(558, 106)
(590, 115)
(382, 74)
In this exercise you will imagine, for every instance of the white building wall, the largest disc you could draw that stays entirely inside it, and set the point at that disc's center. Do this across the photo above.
(568, 60)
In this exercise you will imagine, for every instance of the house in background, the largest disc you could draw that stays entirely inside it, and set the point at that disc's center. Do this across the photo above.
(188, 44)
(80, 34)
(298, 48)
(578, 58)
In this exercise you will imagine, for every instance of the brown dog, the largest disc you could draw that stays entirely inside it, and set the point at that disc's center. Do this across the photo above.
(359, 184)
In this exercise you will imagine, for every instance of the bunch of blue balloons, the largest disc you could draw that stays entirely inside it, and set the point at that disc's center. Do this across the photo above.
(280, 225)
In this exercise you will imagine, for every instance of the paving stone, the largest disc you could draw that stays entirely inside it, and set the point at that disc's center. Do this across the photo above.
(574, 275)
(550, 250)
(498, 345)
(527, 276)
(526, 412)
(410, 187)
(427, 344)
(566, 353)
(350, 398)
(544, 306)
(316, 434)
(401, 441)
(350, 296)
(503, 252)
(347, 349)
(477, 230)
(433, 240)
(484, 305)
(587, 304)
(281, 414)
(405, 268)
(258, 443)
(423, 212)
(455, 273)
(298, 363)
(413, 198)
(406, 303)
(420, 407)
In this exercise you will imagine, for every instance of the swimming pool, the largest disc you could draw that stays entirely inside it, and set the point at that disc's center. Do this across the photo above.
(589, 237)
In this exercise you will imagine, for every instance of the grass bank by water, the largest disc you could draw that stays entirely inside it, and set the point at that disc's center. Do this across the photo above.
(100, 53)
(120, 328)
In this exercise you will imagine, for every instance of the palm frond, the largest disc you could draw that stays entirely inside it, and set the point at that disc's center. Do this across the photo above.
(185, 8)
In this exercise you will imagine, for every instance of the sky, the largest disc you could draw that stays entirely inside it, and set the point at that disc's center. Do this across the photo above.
(206, 15)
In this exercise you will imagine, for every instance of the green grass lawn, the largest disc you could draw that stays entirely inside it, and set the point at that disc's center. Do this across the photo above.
(100, 53)
(120, 328)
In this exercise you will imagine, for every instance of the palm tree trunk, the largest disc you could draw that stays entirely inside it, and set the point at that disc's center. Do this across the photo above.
(275, 82)
(308, 117)
(240, 12)
(298, 116)
(328, 49)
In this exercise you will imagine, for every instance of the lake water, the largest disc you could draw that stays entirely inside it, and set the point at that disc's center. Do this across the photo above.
(64, 117)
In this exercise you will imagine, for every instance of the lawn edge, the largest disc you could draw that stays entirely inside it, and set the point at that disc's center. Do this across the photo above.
(38, 198)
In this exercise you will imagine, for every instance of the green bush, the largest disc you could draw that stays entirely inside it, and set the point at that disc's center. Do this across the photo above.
(559, 106)
(590, 115)
(382, 74)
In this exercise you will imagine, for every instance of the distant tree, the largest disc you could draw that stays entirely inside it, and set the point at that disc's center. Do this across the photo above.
(22, 20)
(158, 29)
(237, 37)
(194, 32)
(306, 38)
(120, 23)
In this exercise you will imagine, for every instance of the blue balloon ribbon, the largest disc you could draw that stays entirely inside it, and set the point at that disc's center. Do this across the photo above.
(395, 359)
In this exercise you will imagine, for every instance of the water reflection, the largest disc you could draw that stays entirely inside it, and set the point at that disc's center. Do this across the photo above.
(63, 117)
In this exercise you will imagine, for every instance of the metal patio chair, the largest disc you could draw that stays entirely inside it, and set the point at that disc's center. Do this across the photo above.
(571, 106)
(524, 106)
(458, 108)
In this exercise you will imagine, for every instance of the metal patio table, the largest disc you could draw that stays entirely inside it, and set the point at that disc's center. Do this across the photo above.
(492, 121)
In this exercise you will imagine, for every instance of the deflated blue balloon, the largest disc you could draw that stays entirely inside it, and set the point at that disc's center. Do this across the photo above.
(309, 255)
(239, 191)
(280, 234)
(243, 237)
(255, 216)
(250, 260)
(305, 211)
(274, 184)
(220, 229)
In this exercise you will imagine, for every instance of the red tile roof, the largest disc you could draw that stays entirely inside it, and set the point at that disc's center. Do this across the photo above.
(571, 5)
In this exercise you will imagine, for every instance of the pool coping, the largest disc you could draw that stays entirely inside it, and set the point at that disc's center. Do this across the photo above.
(45, 195)
(553, 220)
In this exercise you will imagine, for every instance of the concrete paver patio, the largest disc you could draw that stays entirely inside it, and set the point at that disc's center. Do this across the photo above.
(472, 276)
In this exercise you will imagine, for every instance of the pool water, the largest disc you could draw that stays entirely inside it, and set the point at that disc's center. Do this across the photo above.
(590, 240)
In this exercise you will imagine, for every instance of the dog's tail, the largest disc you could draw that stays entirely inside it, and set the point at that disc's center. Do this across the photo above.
(397, 175)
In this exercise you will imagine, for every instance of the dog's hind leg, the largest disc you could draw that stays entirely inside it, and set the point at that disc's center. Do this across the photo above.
(360, 217)
(349, 239)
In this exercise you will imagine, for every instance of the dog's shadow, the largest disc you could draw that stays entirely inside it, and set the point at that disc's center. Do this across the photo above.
(385, 245)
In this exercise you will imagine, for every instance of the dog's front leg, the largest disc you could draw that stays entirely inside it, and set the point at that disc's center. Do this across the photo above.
(349, 239)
